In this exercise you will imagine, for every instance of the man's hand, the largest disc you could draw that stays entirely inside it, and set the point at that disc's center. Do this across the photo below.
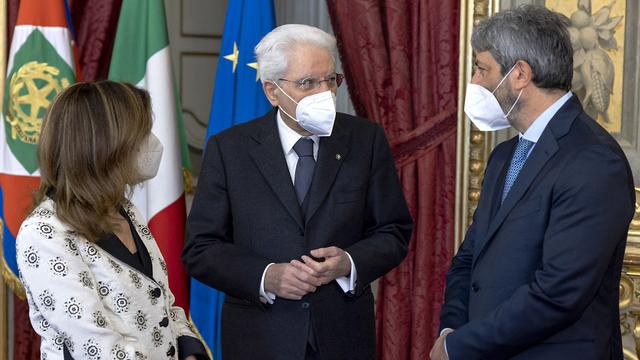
(336, 264)
(290, 282)
(438, 351)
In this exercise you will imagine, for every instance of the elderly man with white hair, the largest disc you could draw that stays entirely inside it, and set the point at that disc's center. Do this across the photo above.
(297, 212)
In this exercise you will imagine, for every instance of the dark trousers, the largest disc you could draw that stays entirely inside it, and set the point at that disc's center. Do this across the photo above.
(311, 354)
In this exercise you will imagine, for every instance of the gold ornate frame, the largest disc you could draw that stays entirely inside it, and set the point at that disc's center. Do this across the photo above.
(630, 290)
(473, 146)
(473, 149)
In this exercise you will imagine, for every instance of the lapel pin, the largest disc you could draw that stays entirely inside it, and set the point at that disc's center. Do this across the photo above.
(338, 157)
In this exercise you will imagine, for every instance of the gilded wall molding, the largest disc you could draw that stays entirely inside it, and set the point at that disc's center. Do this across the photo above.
(473, 146)
(630, 289)
(630, 309)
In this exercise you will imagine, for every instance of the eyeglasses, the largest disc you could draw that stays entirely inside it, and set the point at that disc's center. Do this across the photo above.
(311, 83)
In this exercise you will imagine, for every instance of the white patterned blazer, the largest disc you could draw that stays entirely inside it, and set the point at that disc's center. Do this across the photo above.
(82, 298)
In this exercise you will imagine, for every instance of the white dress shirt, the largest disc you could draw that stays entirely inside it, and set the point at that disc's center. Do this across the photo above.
(534, 131)
(289, 137)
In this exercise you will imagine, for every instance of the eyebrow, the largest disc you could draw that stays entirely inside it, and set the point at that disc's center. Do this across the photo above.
(306, 76)
(480, 64)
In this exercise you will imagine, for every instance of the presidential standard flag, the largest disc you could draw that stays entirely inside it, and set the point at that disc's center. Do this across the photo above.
(40, 65)
(141, 56)
(237, 97)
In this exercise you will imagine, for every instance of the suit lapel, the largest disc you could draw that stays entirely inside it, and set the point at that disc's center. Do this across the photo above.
(332, 152)
(498, 178)
(544, 150)
(269, 158)
(490, 195)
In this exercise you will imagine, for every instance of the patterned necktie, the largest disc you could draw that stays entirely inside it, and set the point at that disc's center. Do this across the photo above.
(304, 168)
(517, 162)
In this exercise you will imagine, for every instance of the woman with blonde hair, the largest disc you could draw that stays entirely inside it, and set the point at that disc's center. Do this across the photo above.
(95, 279)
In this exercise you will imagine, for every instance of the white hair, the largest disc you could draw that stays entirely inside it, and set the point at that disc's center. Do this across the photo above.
(273, 50)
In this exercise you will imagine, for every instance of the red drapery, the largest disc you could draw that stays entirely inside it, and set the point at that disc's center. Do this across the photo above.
(401, 64)
(26, 343)
(95, 23)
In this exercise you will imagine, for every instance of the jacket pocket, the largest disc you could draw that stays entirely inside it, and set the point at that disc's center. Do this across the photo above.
(235, 302)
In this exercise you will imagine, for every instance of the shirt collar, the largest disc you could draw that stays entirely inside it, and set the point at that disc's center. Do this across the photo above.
(534, 131)
(289, 137)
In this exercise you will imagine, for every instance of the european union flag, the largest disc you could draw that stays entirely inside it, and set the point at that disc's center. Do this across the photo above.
(238, 94)
(237, 97)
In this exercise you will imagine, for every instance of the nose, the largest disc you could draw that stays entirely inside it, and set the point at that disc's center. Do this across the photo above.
(475, 78)
(324, 86)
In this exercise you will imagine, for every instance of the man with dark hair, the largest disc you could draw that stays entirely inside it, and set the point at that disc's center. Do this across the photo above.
(537, 274)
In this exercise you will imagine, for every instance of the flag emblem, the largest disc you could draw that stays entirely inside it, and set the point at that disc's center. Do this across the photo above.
(32, 87)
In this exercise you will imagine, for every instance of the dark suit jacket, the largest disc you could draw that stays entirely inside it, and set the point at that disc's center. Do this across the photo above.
(537, 277)
(245, 215)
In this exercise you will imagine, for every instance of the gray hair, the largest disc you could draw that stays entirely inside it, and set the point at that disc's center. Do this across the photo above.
(273, 50)
(534, 34)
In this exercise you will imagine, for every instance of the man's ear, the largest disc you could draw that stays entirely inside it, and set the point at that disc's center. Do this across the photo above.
(270, 91)
(524, 75)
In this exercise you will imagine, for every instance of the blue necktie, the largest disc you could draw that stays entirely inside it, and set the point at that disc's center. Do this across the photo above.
(304, 168)
(517, 162)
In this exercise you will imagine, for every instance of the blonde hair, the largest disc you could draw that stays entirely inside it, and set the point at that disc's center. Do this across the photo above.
(87, 152)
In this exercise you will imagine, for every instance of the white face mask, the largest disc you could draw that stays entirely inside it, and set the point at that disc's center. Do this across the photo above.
(482, 107)
(149, 157)
(315, 113)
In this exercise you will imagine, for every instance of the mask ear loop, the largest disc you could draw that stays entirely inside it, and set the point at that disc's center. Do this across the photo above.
(503, 78)
(500, 83)
(514, 104)
(290, 98)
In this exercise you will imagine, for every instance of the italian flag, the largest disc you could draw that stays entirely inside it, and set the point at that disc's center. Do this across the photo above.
(141, 56)
(40, 65)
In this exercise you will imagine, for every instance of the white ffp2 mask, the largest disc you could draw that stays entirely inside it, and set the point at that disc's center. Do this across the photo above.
(315, 113)
(149, 157)
(483, 108)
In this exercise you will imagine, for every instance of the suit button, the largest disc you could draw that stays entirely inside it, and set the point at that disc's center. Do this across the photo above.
(164, 322)
(475, 287)
(305, 305)
(156, 293)
(171, 351)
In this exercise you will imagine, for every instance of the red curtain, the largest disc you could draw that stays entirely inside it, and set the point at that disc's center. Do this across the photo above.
(12, 16)
(95, 23)
(26, 343)
(400, 59)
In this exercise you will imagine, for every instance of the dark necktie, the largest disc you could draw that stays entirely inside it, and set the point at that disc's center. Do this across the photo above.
(517, 162)
(304, 168)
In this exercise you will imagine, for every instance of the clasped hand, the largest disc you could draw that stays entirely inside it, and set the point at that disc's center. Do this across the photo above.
(295, 279)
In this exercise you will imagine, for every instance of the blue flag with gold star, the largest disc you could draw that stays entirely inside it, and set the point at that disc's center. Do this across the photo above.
(237, 97)
(238, 94)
